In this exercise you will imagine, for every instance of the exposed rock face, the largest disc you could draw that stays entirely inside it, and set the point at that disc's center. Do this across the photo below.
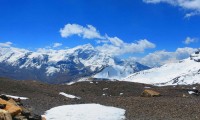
(150, 93)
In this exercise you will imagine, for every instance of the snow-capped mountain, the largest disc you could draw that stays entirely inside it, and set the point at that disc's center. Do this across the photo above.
(184, 72)
(60, 66)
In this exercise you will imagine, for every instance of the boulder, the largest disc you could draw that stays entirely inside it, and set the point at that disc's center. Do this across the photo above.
(13, 109)
(150, 93)
(4, 115)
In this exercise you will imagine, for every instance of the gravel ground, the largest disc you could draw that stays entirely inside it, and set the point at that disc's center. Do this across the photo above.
(170, 106)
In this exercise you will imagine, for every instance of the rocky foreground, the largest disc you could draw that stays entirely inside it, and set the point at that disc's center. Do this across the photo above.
(174, 102)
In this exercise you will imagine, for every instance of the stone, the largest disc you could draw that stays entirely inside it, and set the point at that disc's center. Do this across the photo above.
(150, 93)
(11, 108)
(4, 115)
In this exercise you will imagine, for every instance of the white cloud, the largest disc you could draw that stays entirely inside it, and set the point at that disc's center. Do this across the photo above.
(102, 41)
(57, 45)
(117, 47)
(113, 46)
(116, 41)
(162, 57)
(6, 44)
(188, 15)
(189, 40)
(191, 5)
(88, 32)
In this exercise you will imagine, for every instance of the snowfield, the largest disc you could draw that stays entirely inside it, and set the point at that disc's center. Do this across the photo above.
(85, 112)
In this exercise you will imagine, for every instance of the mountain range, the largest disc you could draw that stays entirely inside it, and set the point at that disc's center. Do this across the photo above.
(62, 66)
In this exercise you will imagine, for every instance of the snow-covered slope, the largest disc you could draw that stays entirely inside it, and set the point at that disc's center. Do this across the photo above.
(59, 66)
(184, 72)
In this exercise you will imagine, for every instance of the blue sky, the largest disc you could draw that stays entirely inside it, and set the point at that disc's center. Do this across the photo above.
(33, 24)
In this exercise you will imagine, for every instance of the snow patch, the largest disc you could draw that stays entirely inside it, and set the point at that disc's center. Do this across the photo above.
(85, 112)
(191, 92)
(16, 97)
(105, 88)
(69, 96)
(70, 83)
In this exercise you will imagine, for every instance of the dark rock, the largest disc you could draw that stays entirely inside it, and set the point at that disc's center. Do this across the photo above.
(4, 97)
(2, 106)
(35, 117)
(25, 112)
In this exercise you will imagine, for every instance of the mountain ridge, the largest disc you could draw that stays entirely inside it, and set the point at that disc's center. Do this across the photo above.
(58, 66)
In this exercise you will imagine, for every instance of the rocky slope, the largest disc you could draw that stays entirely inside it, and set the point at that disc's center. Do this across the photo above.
(60, 66)
(175, 103)
(184, 72)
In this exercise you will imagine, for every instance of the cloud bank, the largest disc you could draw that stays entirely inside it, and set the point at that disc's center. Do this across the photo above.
(162, 57)
(117, 47)
(193, 6)
(113, 46)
